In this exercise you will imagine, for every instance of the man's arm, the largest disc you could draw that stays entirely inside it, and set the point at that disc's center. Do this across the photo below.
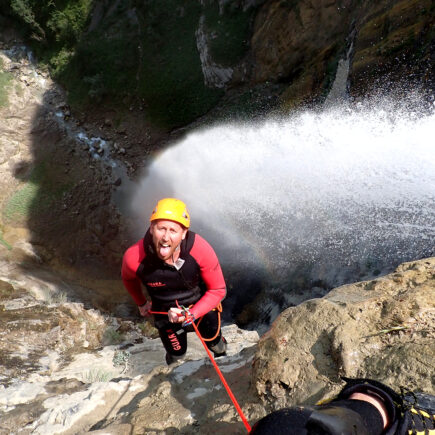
(212, 275)
(130, 262)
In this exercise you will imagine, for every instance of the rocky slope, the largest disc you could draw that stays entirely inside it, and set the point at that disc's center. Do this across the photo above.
(382, 329)
(57, 181)
(68, 366)
(67, 369)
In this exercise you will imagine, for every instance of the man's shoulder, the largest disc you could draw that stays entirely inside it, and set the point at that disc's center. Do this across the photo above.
(199, 241)
(201, 247)
(135, 253)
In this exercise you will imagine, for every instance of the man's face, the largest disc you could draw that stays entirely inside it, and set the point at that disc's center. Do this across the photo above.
(167, 236)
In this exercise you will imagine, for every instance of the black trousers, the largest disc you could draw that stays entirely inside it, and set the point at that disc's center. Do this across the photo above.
(174, 336)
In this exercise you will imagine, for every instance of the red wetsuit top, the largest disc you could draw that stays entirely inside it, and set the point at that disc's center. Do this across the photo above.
(196, 280)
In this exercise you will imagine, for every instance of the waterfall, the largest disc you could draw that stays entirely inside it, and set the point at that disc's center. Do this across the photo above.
(307, 202)
(214, 75)
(339, 91)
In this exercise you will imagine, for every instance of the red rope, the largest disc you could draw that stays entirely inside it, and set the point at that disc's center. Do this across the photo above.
(230, 393)
(158, 312)
(221, 376)
(218, 309)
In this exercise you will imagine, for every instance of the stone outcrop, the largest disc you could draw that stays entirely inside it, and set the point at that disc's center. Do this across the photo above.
(393, 41)
(300, 43)
(382, 329)
(39, 335)
(294, 41)
(67, 369)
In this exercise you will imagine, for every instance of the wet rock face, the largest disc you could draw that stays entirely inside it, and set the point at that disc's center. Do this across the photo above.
(382, 329)
(393, 41)
(300, 43)
(288, 35)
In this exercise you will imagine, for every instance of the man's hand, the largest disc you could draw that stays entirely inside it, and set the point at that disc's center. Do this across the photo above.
(145, 309)
(176, 315)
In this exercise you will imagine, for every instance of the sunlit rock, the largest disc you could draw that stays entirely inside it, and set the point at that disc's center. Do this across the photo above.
(382, 329)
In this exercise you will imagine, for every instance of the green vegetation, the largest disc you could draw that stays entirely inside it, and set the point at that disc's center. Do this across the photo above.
(38, 194)
(53, 297)
(112, 336)
(20, 203)
(104, 63)
(54, 23)
(5, 243)
(134, 52)
(97, 375)
(5, 78)
(148, 329)
(121, 358)
(53, 28)
(170, 76)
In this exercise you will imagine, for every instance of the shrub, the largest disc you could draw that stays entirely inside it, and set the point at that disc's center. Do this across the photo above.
(112, 336)
(97, 375)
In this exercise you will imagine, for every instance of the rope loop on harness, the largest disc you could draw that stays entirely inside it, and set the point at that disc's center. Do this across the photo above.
(219, 311)
(186, 313)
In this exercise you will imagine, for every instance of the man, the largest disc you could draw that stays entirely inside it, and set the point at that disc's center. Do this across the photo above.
(178, 269)
(363, 407)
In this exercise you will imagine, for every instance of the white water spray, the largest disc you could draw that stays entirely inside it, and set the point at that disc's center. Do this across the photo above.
(330, 196)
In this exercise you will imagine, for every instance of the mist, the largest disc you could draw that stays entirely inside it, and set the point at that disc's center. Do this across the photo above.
(307, 202)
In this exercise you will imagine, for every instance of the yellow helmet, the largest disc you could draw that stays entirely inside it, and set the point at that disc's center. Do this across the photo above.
(173, 210)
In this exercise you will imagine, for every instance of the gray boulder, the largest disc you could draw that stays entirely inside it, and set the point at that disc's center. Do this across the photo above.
(383, 329)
